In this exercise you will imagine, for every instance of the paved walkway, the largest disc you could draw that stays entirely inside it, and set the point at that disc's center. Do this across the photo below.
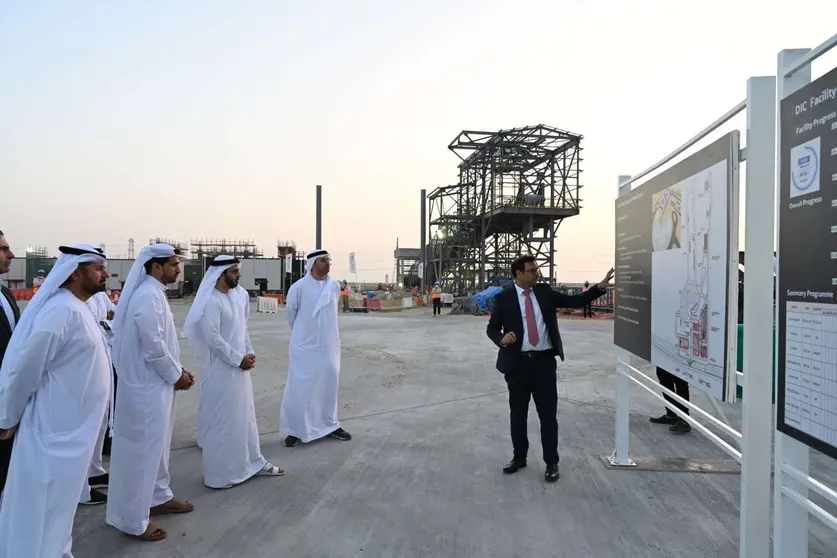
(422, 477)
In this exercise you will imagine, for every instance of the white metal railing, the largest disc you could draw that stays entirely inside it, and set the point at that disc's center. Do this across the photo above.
(655, 392)
(793, 482)
(804, 61)
(729, 115)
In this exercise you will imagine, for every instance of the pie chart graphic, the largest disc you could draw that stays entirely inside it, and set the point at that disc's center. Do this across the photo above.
(805, 168)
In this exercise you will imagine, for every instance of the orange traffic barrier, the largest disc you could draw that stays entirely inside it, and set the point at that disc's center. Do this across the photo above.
(280, 298)
(22, 294)
(372, 305)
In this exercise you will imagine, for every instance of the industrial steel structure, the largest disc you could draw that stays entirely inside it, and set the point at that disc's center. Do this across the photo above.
(515, 188)
(237, 248)
(406, 272)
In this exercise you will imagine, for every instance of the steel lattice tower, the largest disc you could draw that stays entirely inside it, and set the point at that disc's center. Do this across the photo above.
(515, 188)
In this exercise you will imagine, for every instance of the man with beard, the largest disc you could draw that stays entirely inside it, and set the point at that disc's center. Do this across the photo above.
(54, 385)
(8, 320)
(217, 327)
(147, 355)
(309, 406)
(524, 326)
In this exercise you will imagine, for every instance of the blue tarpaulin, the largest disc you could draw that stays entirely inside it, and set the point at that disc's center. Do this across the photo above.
(485, 299)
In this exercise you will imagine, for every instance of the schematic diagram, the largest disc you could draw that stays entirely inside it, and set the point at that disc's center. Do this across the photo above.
(689, 276)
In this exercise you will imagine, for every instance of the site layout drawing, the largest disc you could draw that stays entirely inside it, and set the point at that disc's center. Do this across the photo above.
(689, 278)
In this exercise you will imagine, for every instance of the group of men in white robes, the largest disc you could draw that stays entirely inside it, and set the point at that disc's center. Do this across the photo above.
(56, 383)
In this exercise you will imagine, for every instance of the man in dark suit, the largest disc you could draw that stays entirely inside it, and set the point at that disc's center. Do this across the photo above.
(524, 326)
(9, 316)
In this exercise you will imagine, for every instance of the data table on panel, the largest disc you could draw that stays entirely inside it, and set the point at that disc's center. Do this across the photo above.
(811, 369)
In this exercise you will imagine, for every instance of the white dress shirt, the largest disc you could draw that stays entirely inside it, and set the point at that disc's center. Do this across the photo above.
(544, 343)
(7, 308)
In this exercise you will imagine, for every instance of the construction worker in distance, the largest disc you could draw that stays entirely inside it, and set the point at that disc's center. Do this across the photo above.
(436, 297)
(39, 279)
(588, 308)
(346, 291)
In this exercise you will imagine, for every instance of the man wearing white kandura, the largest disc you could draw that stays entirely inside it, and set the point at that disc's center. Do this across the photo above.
(54, 385)
(309, 406)
(147, 355)
(103, 311)
(216, 326)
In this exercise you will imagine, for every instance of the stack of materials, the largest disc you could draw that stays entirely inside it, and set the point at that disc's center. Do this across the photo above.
(478, 305)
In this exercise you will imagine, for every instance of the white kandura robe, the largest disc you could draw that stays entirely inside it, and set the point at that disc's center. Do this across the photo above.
(309, 405)
(100, 305)
(61, 385)
(227, 412)
(149, 366)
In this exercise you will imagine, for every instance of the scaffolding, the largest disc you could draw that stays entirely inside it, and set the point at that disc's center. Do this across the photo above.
(285, 247)
(179, 247)
(515, 188)
(37, 259)
(243, 249)
(37, 252)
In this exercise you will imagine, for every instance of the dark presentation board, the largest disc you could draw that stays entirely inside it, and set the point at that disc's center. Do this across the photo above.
(673, 238)
(807, 290)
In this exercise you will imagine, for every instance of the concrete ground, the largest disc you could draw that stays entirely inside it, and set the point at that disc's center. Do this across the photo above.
(422, 476)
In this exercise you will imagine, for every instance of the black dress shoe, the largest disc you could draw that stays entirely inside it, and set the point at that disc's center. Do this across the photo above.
(680, 427)
(291, 441)
(96, 497)
(341, 435)
(100, 481)
(514, 466)
(552, 473)
(664, 419)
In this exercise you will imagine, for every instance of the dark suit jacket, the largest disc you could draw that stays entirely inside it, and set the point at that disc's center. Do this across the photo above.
(506, 317)
(5, 336)
(5, 328)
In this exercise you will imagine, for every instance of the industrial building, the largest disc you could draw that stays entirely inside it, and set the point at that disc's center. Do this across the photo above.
(258, 274)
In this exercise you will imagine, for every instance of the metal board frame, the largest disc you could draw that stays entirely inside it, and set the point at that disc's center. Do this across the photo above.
(625, 335)
(807, 242)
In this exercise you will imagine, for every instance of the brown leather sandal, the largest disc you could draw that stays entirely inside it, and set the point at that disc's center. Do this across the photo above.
(172, 506)
(152, 533)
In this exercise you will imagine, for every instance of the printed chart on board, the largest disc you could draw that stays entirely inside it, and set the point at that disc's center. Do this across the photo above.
(807, 297)
(673, 267)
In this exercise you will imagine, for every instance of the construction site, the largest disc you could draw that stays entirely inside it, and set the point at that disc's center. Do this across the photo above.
(515, 188)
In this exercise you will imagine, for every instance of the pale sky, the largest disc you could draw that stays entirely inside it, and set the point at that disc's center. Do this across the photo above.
(216, 119)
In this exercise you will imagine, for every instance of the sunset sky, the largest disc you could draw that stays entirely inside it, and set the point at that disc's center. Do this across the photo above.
(216, 119)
